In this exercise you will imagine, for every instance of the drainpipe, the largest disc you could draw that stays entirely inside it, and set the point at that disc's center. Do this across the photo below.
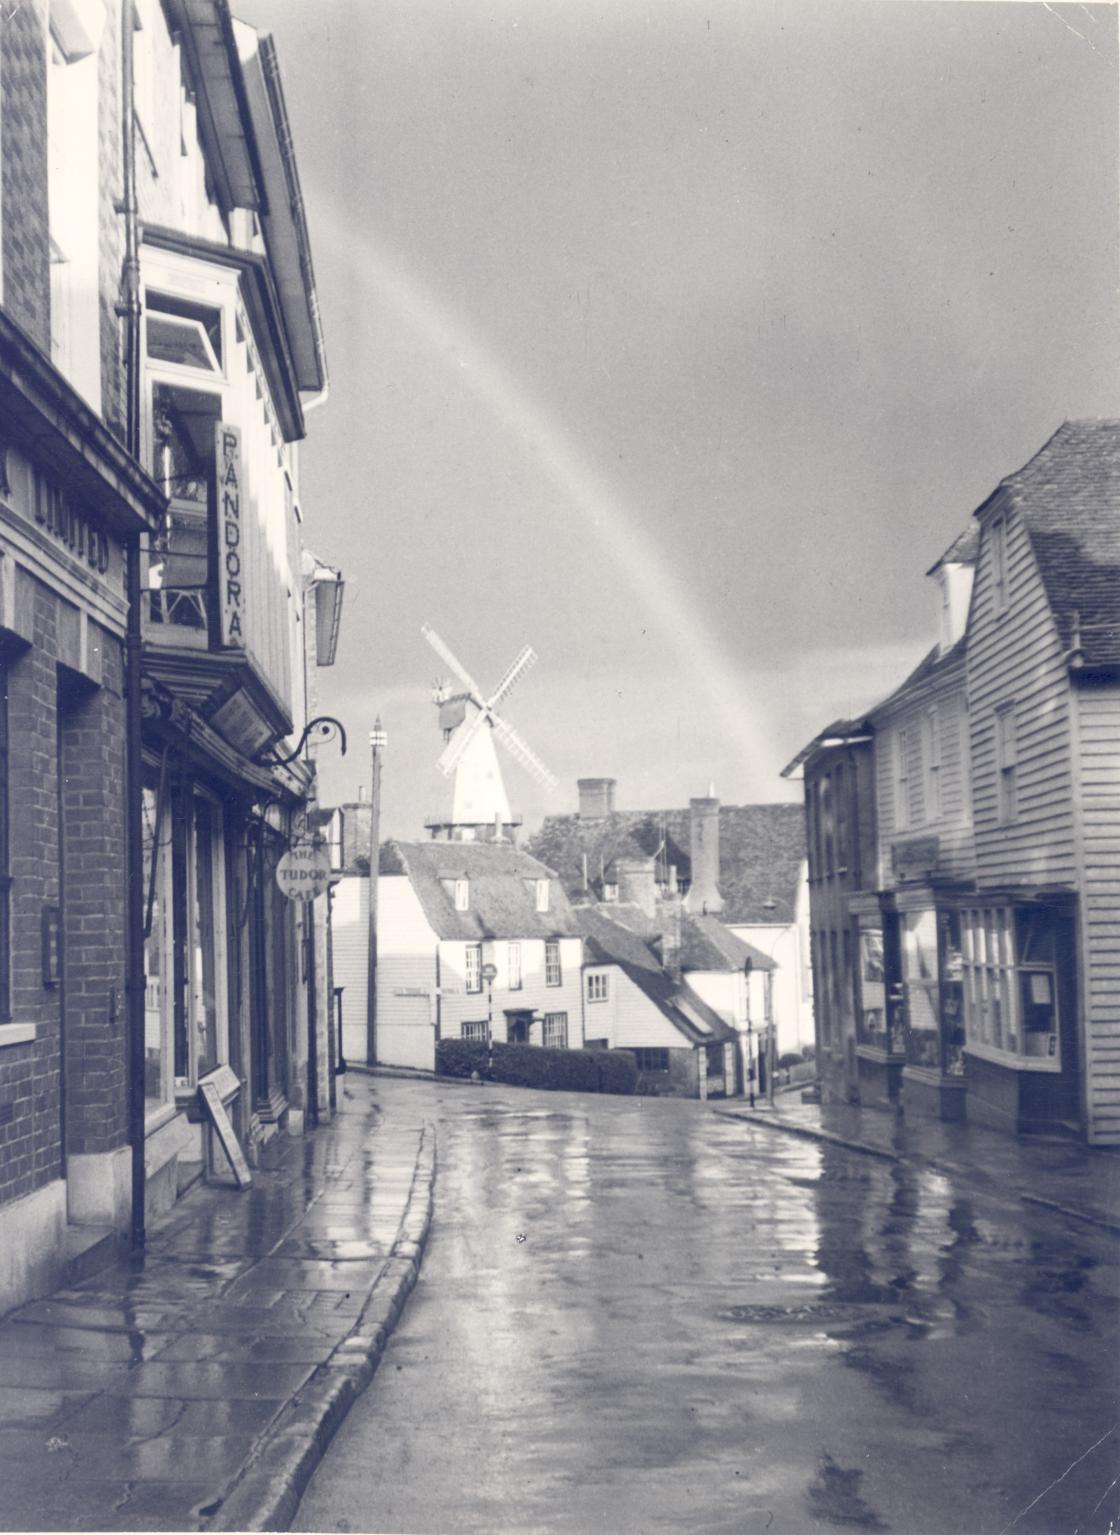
(129, 311)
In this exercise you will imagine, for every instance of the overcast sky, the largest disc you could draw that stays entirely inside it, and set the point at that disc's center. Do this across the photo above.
(678, 339)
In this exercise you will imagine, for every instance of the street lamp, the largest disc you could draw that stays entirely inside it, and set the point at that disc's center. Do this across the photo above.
(489, 973)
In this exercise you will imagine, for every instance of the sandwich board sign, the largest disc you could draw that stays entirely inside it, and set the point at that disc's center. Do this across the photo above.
(304, 871)
(215, 1091)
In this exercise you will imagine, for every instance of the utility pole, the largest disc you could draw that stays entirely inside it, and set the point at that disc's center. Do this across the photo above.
(377, 742)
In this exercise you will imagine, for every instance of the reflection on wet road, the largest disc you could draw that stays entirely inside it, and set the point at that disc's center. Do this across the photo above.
(635, 1315)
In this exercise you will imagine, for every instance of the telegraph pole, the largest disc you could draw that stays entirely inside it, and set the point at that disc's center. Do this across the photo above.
(377, 741)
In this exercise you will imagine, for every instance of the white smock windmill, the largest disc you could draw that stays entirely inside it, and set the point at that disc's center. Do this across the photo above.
(478, 800)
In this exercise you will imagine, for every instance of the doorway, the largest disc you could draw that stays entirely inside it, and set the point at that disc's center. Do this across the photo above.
(518, 1026)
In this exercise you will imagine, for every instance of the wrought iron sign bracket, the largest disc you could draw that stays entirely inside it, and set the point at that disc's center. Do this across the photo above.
(327, 728)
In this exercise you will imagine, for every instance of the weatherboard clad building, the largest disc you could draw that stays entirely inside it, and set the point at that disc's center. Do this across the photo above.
(859, 1026)
(1040, 940)
(446, 912)
(236, 613)
(743, 864)
(655, 978)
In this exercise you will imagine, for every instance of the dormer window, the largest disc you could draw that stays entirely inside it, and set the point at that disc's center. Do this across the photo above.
(462, 895)
(542, 895)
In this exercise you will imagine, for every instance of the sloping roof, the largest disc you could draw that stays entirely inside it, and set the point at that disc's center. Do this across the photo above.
(934, 666)
(1068, 496)
(962, 551)
(762, 848)
(607, 942)
(707, 945)
(839, 733)
(502, 889)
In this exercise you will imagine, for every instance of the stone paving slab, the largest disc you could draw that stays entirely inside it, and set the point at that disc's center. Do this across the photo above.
(158, 1391)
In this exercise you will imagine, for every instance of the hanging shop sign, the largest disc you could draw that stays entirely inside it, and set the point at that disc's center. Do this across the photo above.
(304, 871)
(231, 537)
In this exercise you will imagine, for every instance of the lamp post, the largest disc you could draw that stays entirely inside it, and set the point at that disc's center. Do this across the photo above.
(489, 974)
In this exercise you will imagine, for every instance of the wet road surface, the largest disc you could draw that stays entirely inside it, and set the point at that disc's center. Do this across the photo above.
(634, 1315)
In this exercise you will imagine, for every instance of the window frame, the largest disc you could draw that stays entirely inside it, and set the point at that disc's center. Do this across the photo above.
(644, 1056)
(462, 895)
(978, 969)
(931, 764)
(1005, 726)
(472, 968)
(473, 1025)
(553, 967)
(598, 986)
(901, 777)
(554, 1021)
(514, 980)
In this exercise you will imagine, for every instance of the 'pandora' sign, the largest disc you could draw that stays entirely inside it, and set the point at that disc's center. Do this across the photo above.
(231, 538)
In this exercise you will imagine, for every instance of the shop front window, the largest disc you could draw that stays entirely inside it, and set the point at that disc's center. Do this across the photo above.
(1010, 964)
(920, 978)
(205, 992)
(872, 990)
(952, 991)
(158, 948)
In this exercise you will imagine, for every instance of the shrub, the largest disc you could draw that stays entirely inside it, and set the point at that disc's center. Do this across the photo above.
(790, 1058)
(572, 1071)
(461, 1057)
(617, 1071)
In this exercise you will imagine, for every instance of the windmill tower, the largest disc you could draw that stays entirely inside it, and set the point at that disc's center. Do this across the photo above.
(479, 805)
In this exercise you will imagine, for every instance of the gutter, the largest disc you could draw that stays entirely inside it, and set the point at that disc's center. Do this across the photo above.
(270, 73)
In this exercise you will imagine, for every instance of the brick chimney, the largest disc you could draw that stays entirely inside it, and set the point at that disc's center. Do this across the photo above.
(668, 915)
(596, 798)
(703, 892)
(356, 819)
(636, 882)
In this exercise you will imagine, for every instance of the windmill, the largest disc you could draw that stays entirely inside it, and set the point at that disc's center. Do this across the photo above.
(478, 800)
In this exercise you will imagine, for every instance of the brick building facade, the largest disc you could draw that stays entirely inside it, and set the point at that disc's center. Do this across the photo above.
(131, 345)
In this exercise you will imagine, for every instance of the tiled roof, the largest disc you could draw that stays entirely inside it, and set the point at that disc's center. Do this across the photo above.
(607, 942)
(1068, 496)
(962, 551)
(761, 851)
(502, 892)
(933, 667)
(707, 945)
(839, 733)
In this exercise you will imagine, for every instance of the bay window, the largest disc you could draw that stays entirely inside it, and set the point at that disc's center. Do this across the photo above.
(1010, 969)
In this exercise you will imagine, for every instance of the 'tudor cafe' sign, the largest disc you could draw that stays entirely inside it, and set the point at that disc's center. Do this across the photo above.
(304, 871)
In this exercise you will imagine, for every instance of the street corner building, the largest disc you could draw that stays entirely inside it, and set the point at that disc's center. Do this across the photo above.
(965, 909)
(161, 619)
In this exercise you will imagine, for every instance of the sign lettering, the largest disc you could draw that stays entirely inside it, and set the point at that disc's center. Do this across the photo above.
(57, 515)
(231, 590)
(304, 872)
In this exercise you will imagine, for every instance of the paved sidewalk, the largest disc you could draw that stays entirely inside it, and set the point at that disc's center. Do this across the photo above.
(1062, 1174)
(198, 1385)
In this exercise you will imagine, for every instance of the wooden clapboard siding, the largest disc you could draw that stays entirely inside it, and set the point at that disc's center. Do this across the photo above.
(640, 1023)
(944, 690)
(406, 976)
(350, 957)
(1097, 723)
(599, 1017)
(1016, 657)
(458, 1006)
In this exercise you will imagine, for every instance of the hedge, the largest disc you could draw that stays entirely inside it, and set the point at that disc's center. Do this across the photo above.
(573, 1071)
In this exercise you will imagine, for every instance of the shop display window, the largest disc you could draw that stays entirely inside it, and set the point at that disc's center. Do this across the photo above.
(873, 1022)
(1010, 966)
(185, 1020)
(920, 978)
